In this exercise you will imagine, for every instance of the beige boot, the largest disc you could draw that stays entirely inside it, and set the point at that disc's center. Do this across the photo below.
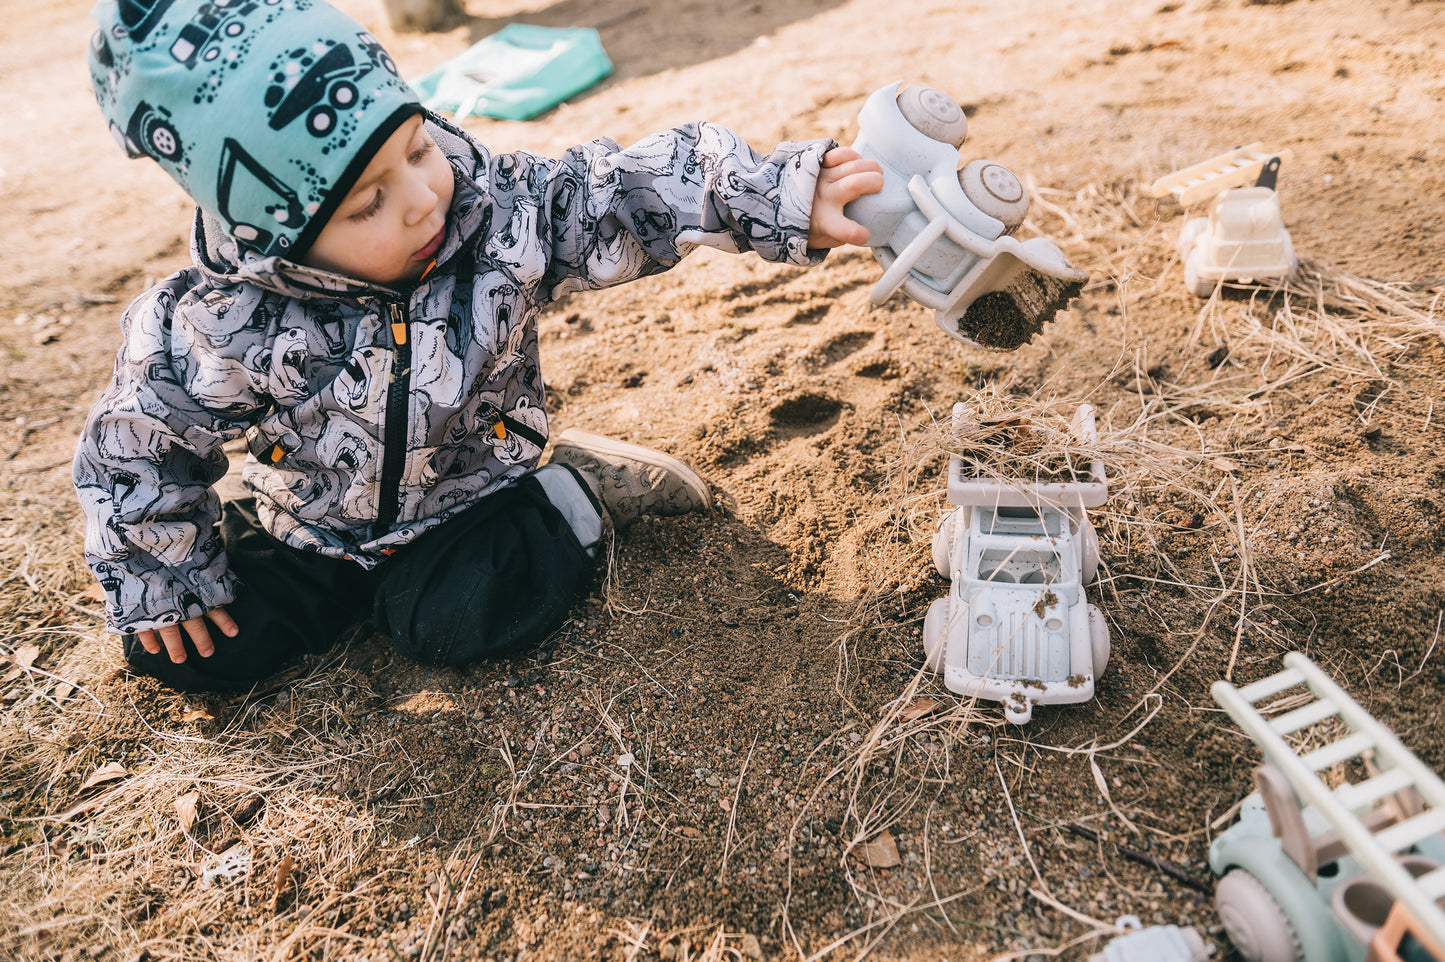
(632, 480)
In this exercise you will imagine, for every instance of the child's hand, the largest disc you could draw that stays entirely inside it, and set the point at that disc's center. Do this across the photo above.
(845, 177)
(170, 635)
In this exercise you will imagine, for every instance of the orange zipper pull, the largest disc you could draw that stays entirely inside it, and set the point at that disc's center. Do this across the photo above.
(398, 325)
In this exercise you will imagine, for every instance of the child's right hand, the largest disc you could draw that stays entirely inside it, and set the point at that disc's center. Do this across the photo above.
(845, 177)
(195, 629)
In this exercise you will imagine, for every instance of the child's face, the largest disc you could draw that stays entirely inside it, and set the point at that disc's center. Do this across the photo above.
(390, 225)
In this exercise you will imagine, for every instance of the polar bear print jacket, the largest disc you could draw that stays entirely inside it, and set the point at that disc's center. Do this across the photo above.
(372, 415)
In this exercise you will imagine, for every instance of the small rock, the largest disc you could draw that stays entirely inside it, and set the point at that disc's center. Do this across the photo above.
(751, 947)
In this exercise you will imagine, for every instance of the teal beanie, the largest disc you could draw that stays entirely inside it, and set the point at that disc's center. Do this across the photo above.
(264, 111)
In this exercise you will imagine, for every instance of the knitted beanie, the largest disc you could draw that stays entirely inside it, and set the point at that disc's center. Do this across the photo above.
(264, 111)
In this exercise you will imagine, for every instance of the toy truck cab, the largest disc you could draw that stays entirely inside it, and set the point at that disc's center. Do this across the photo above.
(1243, 239)
(1016, 626)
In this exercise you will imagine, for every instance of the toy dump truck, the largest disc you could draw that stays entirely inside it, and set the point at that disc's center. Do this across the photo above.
(943, 232)
(1314, 873)
(1015, 626)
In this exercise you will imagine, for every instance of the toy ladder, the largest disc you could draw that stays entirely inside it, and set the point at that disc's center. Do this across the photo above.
(1237, 168)
(1399, 769)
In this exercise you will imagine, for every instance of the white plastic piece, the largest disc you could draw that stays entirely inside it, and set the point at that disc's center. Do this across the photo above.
(1157, 943)
(935, 244)
(233, 863)
(1016, 626)
(1374, 834)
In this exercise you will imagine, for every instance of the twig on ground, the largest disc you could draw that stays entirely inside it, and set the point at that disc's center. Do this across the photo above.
(1164, 865)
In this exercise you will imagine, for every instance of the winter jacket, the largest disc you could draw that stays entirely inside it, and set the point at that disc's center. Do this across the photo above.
(371, 414)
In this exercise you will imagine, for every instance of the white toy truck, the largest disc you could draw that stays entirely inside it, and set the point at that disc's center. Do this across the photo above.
(1243, 239)
(1015, 626)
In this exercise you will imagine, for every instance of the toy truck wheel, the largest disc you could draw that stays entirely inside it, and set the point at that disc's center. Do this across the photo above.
(1088, 553)
(1198, 286)
(935, 635)
(943, 544)
(934, 114)
(1190, 235)
(1098, 640)
(1255, 923)
(995, 190)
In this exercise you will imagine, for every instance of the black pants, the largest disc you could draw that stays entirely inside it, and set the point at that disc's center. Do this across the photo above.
(492, 581)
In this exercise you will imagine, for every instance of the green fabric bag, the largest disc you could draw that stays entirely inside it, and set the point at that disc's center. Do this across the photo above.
(516, 73)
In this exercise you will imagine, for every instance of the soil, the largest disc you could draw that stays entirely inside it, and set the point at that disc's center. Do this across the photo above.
(731, 750)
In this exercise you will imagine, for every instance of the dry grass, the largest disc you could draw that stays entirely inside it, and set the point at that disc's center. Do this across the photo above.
(117, 864)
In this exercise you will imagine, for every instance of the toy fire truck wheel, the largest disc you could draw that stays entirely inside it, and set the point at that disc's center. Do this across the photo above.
(934, 114)
(1255, 923)
(1190, 235)
(1198, 286)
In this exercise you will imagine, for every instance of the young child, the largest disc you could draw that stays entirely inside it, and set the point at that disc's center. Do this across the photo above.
(363, 310)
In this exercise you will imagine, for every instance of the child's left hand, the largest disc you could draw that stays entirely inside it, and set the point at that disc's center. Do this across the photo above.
(845, 177)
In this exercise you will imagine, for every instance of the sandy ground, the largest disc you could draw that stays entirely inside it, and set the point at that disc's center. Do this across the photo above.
(705, 761)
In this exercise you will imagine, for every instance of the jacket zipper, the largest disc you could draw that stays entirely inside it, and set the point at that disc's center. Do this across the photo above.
(506, 424)
(394, 440)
